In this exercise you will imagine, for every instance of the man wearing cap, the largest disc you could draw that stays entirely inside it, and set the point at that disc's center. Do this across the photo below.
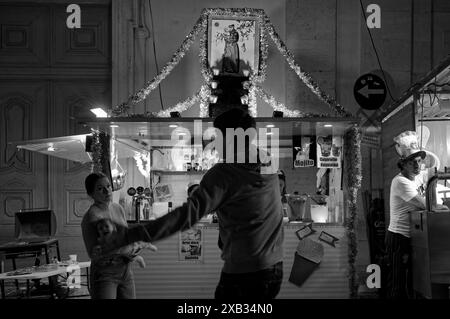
(406, 195)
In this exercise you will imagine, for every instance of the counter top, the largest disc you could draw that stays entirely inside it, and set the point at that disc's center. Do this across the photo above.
(285, 224)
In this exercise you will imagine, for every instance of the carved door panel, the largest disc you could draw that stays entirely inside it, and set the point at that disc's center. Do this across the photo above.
(48, 74)
(72, 100)
(23, 174)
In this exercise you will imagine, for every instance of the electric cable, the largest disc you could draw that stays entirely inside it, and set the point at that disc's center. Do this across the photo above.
(154, 51)
(376, 52)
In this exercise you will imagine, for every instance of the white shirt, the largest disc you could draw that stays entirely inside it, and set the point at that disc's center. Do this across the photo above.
(402, 191)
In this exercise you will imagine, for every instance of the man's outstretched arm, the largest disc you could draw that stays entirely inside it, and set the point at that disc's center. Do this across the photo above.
(205, 199)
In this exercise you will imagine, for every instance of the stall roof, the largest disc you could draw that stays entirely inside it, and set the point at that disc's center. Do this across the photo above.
(73, 147)
(140, 134)
(162, 128)
(438, 75)
(67, 147)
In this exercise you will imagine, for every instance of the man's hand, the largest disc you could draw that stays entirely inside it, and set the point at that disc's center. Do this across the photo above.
(149, 246)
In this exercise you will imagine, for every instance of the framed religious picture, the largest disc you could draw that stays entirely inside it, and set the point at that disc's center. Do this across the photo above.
(233, 44)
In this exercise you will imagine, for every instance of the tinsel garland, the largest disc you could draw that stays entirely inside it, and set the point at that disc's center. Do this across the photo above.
(96, 150)
(352, 147)
(277, 106)
(205, 93)
(252, 103)
(266, 28)
(141, 94)
(180, 107)
(304, 76)
(264, 53)
(203, 50)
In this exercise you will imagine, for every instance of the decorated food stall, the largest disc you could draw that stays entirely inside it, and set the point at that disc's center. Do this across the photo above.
(153, 158)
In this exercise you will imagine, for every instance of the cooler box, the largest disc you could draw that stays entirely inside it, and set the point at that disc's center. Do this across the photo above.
(35, 226)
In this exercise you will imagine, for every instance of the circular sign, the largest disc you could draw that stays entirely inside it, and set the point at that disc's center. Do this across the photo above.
(131, 191)
(147, 191)
(369, 91)
(140, 190)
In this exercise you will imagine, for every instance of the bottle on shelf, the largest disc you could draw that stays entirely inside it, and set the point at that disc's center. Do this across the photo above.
(146, 212)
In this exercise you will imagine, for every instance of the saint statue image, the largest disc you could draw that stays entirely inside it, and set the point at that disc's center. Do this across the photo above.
(230, 58)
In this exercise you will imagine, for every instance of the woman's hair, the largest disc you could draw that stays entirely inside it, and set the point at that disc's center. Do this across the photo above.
(91, 180)
(282, 177)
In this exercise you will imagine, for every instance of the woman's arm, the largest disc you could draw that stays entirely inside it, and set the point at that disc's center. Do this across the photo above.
(89, 233)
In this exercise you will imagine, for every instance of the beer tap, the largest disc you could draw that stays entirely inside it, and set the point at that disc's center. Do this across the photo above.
(142, 202)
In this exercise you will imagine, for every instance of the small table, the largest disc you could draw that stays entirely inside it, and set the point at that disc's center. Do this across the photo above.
(16, 249)
(24, 248)
(53, 270)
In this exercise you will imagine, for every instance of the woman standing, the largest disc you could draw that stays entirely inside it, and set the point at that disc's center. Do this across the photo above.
(111, 275)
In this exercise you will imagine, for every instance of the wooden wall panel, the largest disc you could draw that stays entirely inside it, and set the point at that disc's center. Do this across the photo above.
(49, 75)
(22, 27)
(72, 99)
(23, 175)
(88, 46)
(165, 277)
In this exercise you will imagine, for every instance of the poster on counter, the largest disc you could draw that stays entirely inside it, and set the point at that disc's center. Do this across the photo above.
(191, 245)
(329, 151)
(303, 151)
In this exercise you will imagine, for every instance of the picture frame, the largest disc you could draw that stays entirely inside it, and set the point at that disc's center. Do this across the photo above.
(162, 192)
(305, 231)
(233, 44)
(328, 238)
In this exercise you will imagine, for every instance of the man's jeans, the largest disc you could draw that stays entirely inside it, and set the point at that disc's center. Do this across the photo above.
(260, 285)
(112, 281)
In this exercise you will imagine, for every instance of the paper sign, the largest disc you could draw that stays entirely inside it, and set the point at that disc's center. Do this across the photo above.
(302, 152)
(328, 238)
(329, 151)
(305, 231)
(190, 245)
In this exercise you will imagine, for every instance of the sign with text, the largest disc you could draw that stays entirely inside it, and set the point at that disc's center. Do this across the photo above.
(190, 245)
(329, 151)
(303, 154)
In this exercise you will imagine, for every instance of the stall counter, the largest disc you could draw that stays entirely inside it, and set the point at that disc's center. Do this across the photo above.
(170, 275)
